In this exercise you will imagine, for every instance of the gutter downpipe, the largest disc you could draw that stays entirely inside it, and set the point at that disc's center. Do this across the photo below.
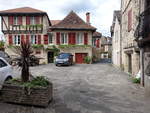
(141, 53)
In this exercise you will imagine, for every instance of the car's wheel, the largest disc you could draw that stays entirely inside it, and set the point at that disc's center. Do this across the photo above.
(8, 78)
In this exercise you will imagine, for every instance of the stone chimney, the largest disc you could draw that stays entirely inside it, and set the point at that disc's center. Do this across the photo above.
(88, 17)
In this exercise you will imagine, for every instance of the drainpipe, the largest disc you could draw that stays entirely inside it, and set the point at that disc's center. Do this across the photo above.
(141, 53)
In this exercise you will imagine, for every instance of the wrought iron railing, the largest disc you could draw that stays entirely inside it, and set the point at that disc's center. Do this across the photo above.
(143, 29)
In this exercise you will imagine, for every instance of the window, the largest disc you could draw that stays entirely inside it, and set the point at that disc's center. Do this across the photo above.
(50, 38)
(2, 64)
(17, 39)
(64, 38)
(33, 39)
(79, 39)
(32, 20)
(15, 20)
(129, 20)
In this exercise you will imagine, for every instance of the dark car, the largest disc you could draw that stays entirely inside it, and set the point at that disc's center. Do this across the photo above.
(33, 61)
(64, 59)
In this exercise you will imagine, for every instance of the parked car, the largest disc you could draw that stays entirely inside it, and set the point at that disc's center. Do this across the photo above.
(64, 59)
(33, 61)
(5, 56)
(6, 71)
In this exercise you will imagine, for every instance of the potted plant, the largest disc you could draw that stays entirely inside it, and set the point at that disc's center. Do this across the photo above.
(87, 59)
(36, 91)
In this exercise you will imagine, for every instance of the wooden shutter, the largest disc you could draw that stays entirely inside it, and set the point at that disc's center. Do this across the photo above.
(45, 39)
(97, 43)
(39, 39)
(72, 38)
(20, 20)
(27, 20)
(129, 20)
(22, 39)
(69, 38)
(10, 20)
(27, 39)
(37, 18)
(10, 40)
(57, 38)
(86, 38)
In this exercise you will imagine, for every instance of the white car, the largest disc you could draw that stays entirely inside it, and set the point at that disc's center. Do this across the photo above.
(6, 71)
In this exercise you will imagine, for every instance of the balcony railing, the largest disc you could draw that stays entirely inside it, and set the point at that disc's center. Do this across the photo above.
(143, 29)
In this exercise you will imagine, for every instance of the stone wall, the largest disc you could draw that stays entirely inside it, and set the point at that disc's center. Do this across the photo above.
(128, 39)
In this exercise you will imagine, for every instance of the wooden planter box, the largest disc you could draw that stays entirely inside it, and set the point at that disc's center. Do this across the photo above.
(20, 95)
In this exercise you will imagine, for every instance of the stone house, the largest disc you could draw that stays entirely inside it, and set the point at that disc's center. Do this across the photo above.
(106, 47)
(142, 34)
(96, 44)
(116, 41)
(48, 37)
(73, 35)
(130, 50)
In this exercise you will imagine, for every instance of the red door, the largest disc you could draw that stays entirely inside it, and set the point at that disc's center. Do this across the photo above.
(80, 57)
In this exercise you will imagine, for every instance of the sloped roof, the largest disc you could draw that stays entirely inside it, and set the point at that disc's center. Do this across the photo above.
(22, 10)
(97, 35)
(54, 22)
(74, 22)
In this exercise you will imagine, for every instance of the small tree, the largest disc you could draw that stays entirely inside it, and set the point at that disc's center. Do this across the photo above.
(25, 52)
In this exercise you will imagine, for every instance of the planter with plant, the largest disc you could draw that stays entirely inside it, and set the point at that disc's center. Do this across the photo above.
(87, 59)
(27, 90)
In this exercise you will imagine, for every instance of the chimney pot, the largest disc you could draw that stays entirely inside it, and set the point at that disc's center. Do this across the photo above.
(88, 17)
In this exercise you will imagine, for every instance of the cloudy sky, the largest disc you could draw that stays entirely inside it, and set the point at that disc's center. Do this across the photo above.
(101, 10)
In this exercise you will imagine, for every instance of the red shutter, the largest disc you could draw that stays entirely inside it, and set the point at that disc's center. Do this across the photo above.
(10, 40)
(10, 20)
(57, 38)
(97, 43)
(27, 38)
(86, 38)
(69, 38)
(45, 39)
(72, 38)
(39, 39)
(37, 19)
(27, 20)
(22, 38)
(20, 20)
(129, 20)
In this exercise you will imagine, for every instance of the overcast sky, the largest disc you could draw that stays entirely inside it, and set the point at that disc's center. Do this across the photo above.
(101, 10)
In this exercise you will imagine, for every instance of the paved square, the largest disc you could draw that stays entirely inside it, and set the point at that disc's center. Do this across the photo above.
(92, 88)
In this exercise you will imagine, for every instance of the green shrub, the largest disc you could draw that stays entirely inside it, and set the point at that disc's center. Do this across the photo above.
(87, 59)
(39, 81)
(37, 46)
(136, 80)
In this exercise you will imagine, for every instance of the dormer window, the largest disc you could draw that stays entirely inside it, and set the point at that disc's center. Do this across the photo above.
(32, 20)
(15, 20)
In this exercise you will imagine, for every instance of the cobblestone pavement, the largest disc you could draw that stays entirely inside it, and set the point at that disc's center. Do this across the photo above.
(93, 88)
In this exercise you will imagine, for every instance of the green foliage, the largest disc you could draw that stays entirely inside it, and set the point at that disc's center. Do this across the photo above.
(37, 46)
(136, 80)
(87, 59)
(13, 46)
(54, 49)
(73, 46)
(31, 26)
(2, 44)
(39, 81)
